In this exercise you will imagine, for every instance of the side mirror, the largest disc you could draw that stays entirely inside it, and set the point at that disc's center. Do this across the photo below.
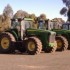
(46, 21)
(13, 19)
(20, 19)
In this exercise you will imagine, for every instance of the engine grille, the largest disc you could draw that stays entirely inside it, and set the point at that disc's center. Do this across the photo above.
(52, 37)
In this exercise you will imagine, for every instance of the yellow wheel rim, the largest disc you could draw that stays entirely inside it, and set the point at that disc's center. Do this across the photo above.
(31, 46)
(5, 43)
(59, 44)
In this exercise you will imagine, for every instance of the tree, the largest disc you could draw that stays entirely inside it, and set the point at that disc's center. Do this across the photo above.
(8, 12)
(32, 16)
(63, 11)
(66, 2)
(66, 10)
(57, 22)
(21, 14)
(6, 16)
(43, 16)
(68, 14)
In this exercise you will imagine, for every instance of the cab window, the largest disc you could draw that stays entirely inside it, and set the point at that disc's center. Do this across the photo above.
(65, 27)
(69, 27)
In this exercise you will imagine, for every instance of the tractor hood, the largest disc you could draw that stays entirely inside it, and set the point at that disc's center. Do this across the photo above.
(61, 31)
(47, 37)
(38, 31)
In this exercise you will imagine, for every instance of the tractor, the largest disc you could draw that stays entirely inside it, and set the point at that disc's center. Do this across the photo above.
(62, 35)
(29, 40)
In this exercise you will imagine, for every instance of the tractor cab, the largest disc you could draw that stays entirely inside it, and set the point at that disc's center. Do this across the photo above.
(27, 23)
(46, 24)
(66, 26)
(19, 27)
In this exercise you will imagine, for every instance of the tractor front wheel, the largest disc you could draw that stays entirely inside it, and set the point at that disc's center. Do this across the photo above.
(34, 46)
(51, 49)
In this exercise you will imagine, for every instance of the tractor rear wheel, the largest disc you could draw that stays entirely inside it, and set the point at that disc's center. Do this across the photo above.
(34, 46)
(62, 43)
(7, 43)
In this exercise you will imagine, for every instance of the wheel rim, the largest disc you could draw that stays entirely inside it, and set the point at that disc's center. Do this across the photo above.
(5, 43)
(31, 46)
(59, 44)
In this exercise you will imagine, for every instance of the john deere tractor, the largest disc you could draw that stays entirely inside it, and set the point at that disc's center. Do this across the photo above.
(62, 35)
(34, 40)
(66, 29)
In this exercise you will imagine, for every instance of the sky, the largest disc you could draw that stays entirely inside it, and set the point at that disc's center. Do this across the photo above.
(49, 7)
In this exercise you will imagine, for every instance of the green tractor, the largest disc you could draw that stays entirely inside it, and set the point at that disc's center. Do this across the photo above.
(62, 35)
(25, 38)
(65, 32)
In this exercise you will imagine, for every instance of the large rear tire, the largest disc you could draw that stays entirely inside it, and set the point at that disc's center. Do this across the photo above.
(62, 43)
(34, 46)
(7, 43)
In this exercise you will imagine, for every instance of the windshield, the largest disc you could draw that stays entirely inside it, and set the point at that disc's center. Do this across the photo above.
(41, 24)
(65, 27)
(28, 24)
(14, 24)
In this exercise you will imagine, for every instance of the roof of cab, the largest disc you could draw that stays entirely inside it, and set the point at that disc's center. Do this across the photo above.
(67, 23)
(26, 19)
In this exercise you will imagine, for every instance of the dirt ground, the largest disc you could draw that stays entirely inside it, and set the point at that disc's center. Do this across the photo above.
(43, 61)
